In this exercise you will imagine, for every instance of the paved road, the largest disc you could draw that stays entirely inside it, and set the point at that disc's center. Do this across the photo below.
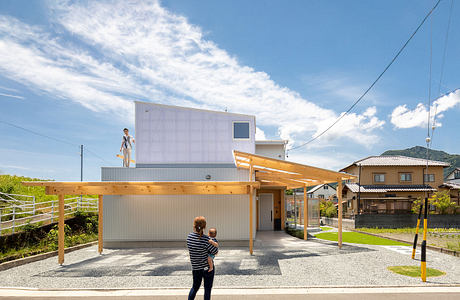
(278, 260)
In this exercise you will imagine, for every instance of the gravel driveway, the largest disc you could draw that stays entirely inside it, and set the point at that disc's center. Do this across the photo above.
(279, 260)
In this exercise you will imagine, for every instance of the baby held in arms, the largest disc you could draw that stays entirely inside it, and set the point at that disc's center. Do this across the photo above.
(213, 241)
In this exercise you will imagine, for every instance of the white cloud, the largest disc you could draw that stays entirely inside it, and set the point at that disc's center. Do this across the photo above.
(11, 96)
(402, 117)
(125, 50)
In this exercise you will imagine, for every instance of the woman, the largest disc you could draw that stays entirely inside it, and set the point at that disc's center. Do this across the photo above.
(199, 248)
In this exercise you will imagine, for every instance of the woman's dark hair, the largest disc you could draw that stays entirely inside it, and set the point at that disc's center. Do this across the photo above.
(199, 224)
(126, 129)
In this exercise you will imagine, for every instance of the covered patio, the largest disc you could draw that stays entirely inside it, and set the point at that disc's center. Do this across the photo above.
(263, 172)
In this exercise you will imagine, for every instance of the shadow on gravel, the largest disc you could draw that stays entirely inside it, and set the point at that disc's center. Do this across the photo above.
(175, 262)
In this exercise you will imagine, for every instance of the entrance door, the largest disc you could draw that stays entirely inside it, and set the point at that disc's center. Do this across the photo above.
(266, 212)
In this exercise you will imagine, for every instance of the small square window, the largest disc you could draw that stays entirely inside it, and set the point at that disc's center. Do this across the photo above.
(379, 177)
(241, 130)
(429, 177)
(405, 177)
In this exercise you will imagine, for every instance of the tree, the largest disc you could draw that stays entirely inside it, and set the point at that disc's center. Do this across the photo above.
(442, 201)
(416, 205)
(328, 209)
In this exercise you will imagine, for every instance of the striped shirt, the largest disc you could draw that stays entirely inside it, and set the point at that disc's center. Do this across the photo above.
(199, 248)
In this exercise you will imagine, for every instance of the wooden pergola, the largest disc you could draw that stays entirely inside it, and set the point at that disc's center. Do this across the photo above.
(263, 172)
(134, 188)
(274, 172)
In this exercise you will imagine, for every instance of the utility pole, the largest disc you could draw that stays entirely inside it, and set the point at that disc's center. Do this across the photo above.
(81, 173)
(359, 187)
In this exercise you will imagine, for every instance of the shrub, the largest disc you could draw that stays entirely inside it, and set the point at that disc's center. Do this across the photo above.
(441, 200)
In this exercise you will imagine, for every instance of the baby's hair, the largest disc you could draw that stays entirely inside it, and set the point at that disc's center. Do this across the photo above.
(212, 232)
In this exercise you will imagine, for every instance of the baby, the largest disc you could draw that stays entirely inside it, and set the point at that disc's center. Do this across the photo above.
(213, 241)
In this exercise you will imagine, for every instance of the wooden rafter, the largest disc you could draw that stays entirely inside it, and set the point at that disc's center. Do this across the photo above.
(285, 173)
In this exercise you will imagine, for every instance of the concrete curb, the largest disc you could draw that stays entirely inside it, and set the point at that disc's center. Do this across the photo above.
(439, 249)
(372, 293)
(22, 261)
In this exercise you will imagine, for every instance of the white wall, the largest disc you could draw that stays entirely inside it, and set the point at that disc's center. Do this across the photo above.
(274, 151)
(170, 217)
(170, 134)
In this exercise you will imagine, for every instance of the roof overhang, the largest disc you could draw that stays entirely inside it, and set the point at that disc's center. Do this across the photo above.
(275, 172)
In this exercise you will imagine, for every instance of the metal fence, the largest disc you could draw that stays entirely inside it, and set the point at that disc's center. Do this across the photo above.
(20, 210)
(295, 213)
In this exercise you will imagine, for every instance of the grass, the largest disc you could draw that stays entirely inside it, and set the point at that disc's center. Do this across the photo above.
(359, 238)
(324, 228)
(414, 271)
(406, 230)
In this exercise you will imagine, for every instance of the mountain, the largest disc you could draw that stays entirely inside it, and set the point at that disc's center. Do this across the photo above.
(420, 152)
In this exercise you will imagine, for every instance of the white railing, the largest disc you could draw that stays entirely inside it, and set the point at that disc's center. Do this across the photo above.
(20, 213)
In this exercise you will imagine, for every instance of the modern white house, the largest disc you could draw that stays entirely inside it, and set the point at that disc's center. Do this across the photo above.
(193, 162)
(187, 144)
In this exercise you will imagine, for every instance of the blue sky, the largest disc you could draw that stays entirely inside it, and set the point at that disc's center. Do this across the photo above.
(71, 69)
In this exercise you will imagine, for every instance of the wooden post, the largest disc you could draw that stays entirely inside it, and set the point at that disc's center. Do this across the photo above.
(251, 213)
(100, 224)
(61, 232)
(339, 204)
(305, 213)
(283, 209)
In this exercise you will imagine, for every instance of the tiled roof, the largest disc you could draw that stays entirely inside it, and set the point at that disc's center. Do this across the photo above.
(453, 186)
(396, 160)
(354, 187)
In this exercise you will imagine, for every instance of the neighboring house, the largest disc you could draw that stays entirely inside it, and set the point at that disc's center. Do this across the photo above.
(454, 176)
(322, 191)
(389, 184)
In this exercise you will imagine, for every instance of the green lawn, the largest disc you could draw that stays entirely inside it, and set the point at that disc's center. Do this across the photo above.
(415, 271)
(358, 238)
(325, 228)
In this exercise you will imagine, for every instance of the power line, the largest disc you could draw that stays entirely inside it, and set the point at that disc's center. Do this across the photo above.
(373, 83)
(51, 138)
(443, 63)
(39, 134)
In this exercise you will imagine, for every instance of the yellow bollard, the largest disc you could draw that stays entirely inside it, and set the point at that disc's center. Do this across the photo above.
(423, 257)
(416, 231)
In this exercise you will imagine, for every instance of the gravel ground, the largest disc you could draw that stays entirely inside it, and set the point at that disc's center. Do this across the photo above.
(279, 260)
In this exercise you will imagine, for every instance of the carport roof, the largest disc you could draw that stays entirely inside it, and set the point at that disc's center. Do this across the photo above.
(275, 172)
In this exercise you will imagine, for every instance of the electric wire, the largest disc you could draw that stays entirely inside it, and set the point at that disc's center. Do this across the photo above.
(433, 127)
(51, 138)
(373, 83)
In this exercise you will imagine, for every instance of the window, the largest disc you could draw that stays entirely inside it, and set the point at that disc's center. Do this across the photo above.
(241, 130)
(325, 186)
(428, 177)
(457, 174)
(379, 177)
(405, 177)
(321, 196)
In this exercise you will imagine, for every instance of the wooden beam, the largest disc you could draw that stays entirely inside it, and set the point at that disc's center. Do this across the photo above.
(305, 213)
(339, 204)
(61, 232)
(136, 183)
(100, 224)
(251, 212)
(283, 209)
(147, 188)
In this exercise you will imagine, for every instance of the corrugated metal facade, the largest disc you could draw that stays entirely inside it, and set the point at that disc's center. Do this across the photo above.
(170, 217)
(171, 134)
